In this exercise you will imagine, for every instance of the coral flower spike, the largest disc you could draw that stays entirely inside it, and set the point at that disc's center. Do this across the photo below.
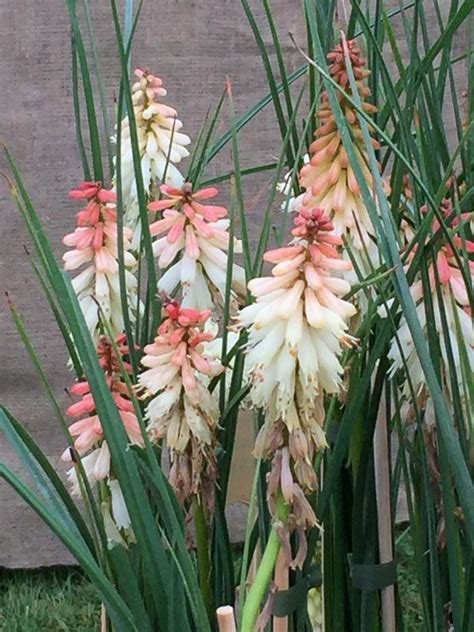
(94, 248)
(181, 407)
(328, 178)
(192, 242)
(89, 441)
(296, 330)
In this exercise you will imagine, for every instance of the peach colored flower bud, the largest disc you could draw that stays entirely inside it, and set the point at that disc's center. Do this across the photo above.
(328, 181)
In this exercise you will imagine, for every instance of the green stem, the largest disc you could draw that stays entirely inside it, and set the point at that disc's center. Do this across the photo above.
(264, 573)
(204, 563)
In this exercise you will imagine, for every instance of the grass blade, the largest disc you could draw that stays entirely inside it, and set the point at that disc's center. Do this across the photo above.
(88, 93)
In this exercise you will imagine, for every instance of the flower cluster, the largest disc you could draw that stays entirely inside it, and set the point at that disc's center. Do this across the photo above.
(89, 441)
(449, 294)
(94, 245)
(296, 329)
(328, 178)
(181, 407)
(193, 238)
(160, 143)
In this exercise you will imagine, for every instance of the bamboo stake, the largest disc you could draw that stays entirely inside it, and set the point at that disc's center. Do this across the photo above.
(103, 619)
(280, 624)
(225, 619)
(382, 490)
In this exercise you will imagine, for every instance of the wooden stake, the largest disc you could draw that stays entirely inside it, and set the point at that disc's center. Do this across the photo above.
(225, 619)
(103, 619)
(382, 490)
(280, 624)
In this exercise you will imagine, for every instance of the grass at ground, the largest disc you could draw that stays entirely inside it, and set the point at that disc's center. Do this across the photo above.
(47, 600)
(408, 590)
(61, 599)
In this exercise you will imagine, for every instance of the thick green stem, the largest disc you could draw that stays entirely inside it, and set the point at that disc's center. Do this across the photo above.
(204, 564)
(264, 573)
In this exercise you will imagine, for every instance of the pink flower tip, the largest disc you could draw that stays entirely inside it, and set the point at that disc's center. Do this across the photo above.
(87, 190)
(152, 79)
(185, 316)
(106, 196)
(172, 191)
(185, 199)
(310, 222)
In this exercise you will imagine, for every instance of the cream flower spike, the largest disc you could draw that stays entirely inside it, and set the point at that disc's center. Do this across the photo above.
(192, 245)
(296, 331)
(89, 441)
(328, 179)
(161, 145)
(181, 408)
(455, 301)
(94, 243)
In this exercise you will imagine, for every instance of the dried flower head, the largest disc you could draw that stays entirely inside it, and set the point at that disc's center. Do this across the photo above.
(94, 248)
(193, 237)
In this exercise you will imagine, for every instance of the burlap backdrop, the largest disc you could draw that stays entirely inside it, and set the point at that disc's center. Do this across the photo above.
(194, 45)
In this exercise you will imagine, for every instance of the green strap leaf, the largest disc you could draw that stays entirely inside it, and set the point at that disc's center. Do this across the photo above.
(287, 601)
(374, 576)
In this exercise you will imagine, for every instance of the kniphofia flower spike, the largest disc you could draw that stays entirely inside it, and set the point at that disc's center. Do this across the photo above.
(90, 444)
(94, 249)
(161, 145)
(449, 294)
(296, 331)
(192, 242)
(328, 179)
(181, 408)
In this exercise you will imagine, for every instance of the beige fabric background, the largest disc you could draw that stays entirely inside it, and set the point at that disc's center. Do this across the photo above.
(193, 45)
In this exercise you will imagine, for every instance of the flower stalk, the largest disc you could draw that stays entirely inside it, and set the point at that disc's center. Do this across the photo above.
(446, 289)
(202, 550)
(90, 445)
(265, 570)
(297, 328)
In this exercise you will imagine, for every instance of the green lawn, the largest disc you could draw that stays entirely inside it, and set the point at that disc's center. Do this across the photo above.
(409, 592)
(47, 600)
(50, 600)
